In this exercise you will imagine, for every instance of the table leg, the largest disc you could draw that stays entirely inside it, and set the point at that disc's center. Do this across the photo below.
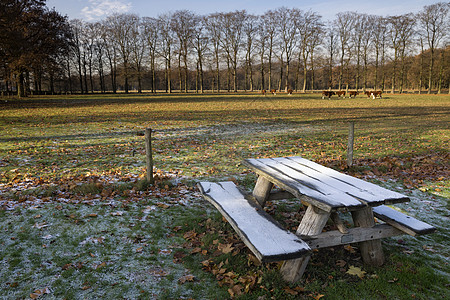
(262, 190)
(312, 223)
(371, 251)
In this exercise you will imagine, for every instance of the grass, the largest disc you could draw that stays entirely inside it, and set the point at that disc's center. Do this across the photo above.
(79, 218)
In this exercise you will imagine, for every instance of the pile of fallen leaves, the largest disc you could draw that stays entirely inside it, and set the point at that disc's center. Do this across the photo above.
(106, 186)
(413, 170)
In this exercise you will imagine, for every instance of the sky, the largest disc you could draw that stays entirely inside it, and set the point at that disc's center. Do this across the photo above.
(95, 10)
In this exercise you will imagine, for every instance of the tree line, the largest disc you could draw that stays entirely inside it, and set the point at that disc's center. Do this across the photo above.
(285, 48)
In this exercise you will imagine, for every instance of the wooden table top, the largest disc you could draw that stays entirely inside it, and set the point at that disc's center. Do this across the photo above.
(322, 187)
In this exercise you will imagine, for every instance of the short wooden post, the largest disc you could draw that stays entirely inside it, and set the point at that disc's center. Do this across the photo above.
(351, 136)
(148, 154)
(371, 251)
(262, 190)
(312, 223)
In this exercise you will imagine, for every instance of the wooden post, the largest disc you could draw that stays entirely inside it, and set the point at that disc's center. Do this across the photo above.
(351, 135)
(148, 154)
(312, 223)
(262, 190)
(371, 251)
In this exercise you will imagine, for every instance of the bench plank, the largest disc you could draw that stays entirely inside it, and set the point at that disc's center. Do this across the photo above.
(257, 229)
(401, 221)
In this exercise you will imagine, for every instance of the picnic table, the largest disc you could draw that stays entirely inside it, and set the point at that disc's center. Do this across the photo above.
(328, 194)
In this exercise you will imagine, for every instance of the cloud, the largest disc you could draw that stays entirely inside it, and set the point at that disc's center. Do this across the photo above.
(101, 8)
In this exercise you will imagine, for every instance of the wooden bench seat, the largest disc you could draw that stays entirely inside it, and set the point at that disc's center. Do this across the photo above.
(401, 221)
(257, 229)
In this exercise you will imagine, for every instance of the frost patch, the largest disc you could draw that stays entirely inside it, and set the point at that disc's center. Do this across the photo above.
(94, 240)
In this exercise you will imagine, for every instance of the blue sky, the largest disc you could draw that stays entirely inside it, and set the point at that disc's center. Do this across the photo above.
(93, 10)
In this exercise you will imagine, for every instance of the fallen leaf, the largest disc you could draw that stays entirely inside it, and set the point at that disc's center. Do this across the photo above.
(341, 263)
(139, 250)
(226, 248)
(393, 280)
(162, 205)
(356, 271)
(350, 249)
(290, 291)
(92, 215)
(317, 297)
(185, 278)
(39, 292)
(236, 290)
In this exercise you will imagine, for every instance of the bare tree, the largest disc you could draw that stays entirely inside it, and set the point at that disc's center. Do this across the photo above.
(111, 53)
(405, 38)
(343, 25)
(151, 32)
(309, 27)
(165, 48)
(200, 44)
(434, 19)
(366, 43)
(121, 26)
(232, 39)
(287, 19)
(379, 41)
(213, 26)
(261, 44)
(250, 28)
(270, 24)
(138, 49)
(394, 27)
(182, 24)
(77, 28)
(331, 45)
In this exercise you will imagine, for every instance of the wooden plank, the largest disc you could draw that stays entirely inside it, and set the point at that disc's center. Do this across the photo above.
(384, 195)
(401, 221)
(354, 235)
(299, 183)
(312, 223)
(260, 232)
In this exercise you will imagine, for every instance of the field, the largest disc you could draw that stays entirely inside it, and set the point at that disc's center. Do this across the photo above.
(79, 220)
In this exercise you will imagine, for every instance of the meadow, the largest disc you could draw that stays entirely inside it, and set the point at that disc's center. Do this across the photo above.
(79, 220)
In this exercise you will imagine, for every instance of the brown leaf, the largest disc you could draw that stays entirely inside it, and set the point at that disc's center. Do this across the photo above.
(253, 259)
(341, 263)
(226, 248)
(92, 215)
(39, 292)
(162, 205)
(185, 278)
(290, 291)
(350, 249)
(139, 250)
(236, 290)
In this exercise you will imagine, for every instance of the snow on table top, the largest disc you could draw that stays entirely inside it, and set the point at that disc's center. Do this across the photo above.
(324, 185)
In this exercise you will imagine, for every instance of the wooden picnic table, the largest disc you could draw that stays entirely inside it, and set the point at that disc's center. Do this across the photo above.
(328, 194)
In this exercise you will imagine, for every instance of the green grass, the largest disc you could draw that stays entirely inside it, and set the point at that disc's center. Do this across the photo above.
(79, 218)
